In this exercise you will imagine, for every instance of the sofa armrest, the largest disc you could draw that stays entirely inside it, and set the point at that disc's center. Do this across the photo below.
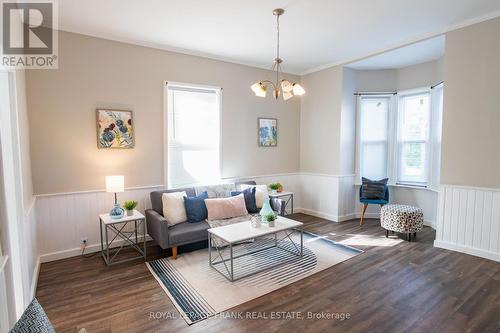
(157, 228)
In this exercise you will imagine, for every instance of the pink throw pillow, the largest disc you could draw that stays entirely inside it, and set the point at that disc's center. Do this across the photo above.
(225, 208)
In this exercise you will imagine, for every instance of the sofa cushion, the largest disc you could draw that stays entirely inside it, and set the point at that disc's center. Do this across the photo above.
(184, 233)
(225, 208)
(250, 201)
(373, 189)
(173, 207)
(196, 210)
(261, 193)
(33, 320)
(156, 197)
(216, 191)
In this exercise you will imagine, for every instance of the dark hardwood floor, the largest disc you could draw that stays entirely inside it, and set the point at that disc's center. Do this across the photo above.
(410, 287)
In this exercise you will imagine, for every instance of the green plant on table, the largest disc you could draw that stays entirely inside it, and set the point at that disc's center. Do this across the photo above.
(130, 205)
(271, 217)
(274, 186)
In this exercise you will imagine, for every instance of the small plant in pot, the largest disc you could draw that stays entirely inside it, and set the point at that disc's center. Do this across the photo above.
(129, 207)
(275, 187)
(271, 219)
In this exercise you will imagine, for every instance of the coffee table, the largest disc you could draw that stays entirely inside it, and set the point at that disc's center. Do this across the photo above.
(280, 238)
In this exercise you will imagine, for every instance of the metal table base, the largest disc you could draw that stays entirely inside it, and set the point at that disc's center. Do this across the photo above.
(129, 239)
(227, 263)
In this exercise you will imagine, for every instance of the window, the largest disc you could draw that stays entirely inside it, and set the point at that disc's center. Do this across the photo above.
(193, 126)
(373, 139)
(413, 139)
(399, 136)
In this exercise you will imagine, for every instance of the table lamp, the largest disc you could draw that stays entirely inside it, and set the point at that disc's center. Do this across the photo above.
(115, 184)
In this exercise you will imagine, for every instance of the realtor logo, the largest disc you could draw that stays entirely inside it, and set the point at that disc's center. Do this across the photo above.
(29, 34)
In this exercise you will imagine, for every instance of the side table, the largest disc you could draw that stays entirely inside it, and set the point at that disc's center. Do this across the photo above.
(116, 229)
(287, 197)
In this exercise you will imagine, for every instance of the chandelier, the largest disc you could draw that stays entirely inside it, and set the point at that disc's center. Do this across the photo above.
(284, 87)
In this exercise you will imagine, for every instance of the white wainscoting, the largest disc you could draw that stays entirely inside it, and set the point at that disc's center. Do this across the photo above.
(327, 196)
(469, 221)
(423, 198)
(64, 219)
(4, 308)
(29, 248)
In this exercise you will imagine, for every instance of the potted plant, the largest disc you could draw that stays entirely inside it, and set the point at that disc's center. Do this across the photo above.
(271, 218)
(129, 207)
(275, 187)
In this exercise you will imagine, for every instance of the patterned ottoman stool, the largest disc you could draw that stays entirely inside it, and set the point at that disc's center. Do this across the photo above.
(402, 218)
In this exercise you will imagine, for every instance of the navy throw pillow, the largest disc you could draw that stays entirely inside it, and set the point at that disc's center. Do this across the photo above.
(373, 189)
(250, 202)
(196, 210)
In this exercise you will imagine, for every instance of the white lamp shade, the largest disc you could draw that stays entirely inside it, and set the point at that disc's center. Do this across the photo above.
(287, 95)
(298, 90)
(115, 183)
(258, 89)
(286, 86)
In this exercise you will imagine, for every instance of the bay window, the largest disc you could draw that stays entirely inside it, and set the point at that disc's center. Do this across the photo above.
(373, 139)
(399, 136)
(413, 139)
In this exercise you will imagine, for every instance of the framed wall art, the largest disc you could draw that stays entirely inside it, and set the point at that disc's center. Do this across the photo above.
(115, 129)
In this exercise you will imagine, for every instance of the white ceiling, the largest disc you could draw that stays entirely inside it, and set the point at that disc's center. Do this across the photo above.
(314, 33)
(427, 50)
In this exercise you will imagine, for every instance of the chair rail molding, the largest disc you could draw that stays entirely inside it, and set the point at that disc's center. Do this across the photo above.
(468, 220)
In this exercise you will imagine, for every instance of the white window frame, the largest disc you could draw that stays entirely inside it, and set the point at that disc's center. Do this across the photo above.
(399, 143)
(359, 158)
(394, 147)
(218, 92)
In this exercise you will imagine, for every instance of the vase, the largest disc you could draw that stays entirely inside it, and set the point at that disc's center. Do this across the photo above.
(266, 209)
(271, 223)
(116, 212)
(255, 221)
(130, 212)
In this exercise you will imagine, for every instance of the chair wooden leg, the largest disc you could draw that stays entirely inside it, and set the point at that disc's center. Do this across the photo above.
(174, 252)
(363, 214)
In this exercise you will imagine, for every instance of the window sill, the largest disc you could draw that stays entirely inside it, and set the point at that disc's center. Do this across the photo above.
(409, 187)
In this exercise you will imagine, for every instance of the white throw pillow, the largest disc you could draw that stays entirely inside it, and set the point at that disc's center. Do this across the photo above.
(261, 193)
(173, 207)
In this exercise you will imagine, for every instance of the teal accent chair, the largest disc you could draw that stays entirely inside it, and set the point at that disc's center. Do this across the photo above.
(367, 202)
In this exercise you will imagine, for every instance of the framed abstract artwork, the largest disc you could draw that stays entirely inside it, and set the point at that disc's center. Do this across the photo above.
(268, 132)
(114, 129)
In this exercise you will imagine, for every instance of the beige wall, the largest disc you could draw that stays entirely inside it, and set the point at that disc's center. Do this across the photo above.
(471, 135)
(320, 119)
(348, 122)
(97, 73)
(420, 75)
(411, 77)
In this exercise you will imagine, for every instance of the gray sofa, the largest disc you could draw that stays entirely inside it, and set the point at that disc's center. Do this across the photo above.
(183, 233)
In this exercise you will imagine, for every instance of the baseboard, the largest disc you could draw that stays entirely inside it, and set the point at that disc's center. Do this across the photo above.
(467, 249)
(347, 217)
(34, 280)
(52, 256)
(314, 213)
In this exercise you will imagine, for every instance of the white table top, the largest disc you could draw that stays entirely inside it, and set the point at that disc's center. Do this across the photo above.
(238, 232)
(280, 194)
(106, 219)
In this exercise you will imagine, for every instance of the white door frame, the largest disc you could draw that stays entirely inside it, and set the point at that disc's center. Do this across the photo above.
(9, 137)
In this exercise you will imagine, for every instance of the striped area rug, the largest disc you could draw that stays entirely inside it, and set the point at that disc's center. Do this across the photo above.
(199, 291)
